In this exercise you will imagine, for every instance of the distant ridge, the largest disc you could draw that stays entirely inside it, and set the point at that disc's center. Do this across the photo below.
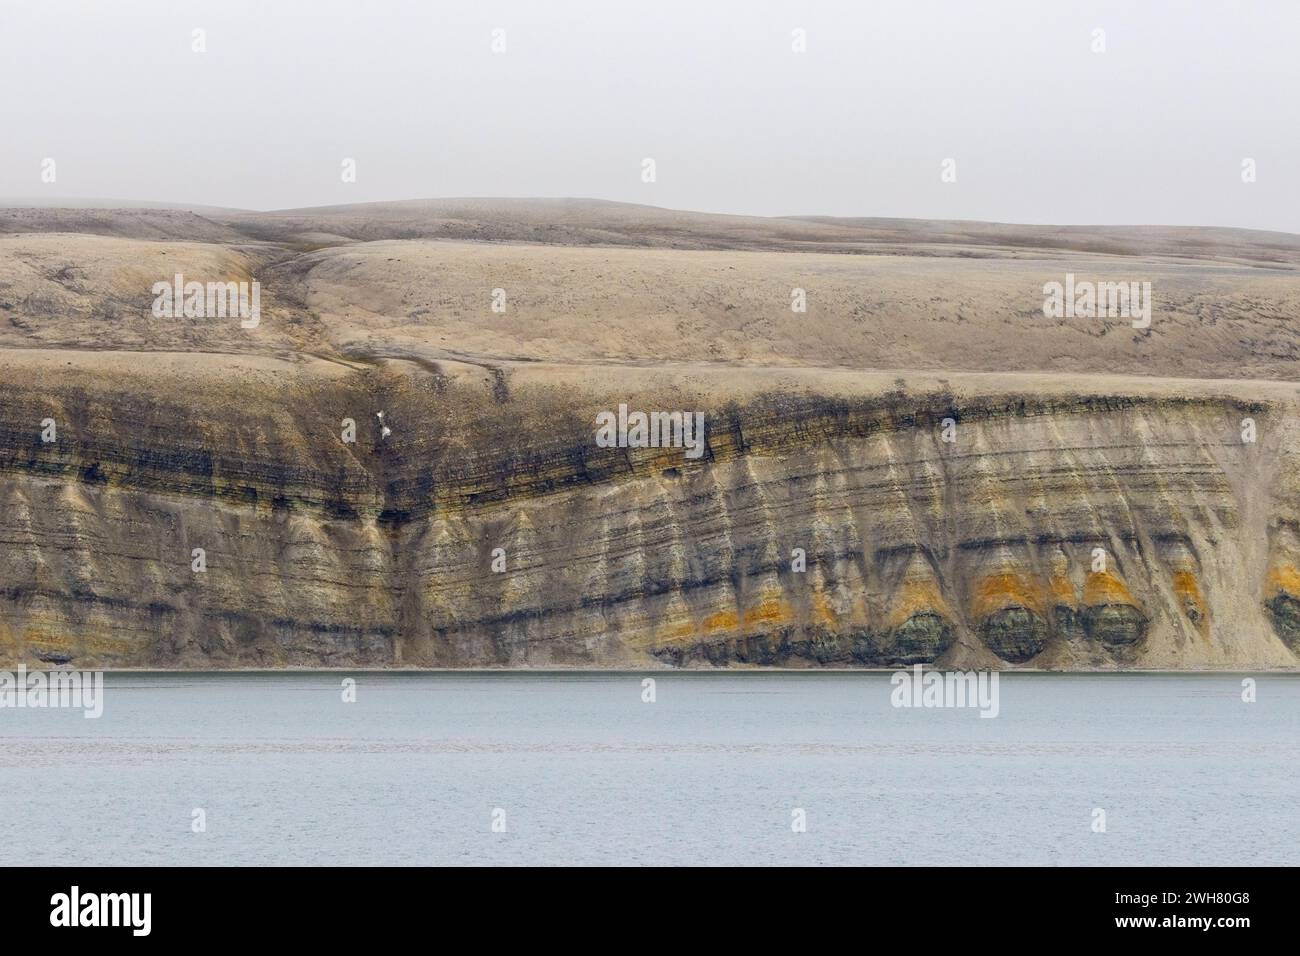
(597, 222)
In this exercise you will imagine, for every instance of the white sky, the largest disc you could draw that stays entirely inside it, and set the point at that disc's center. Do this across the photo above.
(1042, 129)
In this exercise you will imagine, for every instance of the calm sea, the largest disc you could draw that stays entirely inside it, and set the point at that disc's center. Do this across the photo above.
(579, 769)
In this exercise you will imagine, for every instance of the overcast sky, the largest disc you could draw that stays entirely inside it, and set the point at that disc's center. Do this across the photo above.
(1041, 128)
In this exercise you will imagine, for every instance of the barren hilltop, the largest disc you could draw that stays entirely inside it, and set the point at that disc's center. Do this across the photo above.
(906, 459)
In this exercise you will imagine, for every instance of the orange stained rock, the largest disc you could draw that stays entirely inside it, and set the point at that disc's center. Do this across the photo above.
(1283, 578)
(717, 623)
(721, 621)
(1188, 590)
(916, 595)
(1105, 587)
(997, 592)
(1062, 588)
(823, 613)
(771, 611)
(1186, 586)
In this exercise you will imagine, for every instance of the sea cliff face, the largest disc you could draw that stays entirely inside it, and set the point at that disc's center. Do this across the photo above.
(488, 528)
(396, 465)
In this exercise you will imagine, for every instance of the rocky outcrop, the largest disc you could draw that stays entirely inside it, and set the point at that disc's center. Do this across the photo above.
(489, 529)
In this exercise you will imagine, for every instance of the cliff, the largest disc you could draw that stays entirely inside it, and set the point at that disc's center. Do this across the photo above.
(977, 516)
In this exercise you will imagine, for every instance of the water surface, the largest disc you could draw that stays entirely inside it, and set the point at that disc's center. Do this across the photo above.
(586, 772)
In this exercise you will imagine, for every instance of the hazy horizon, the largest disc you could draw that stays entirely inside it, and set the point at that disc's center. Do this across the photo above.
(1042, 127)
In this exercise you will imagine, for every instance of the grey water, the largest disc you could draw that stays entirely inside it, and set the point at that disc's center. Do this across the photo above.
(721, 768)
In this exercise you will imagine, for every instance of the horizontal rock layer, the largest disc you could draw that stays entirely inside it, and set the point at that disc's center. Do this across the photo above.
(1082, 531)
